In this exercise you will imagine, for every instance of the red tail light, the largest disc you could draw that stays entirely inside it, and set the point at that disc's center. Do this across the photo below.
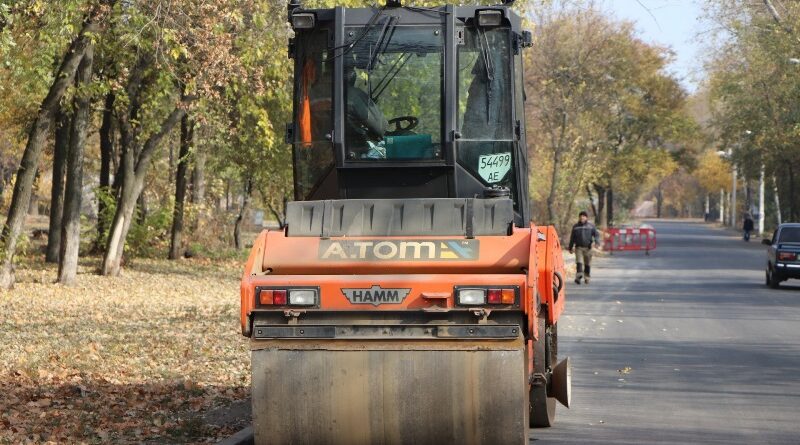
(494, 296)
(787, 256)
(279, 297)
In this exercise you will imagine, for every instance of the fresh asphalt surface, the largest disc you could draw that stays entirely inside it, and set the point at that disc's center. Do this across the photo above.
(686, 345)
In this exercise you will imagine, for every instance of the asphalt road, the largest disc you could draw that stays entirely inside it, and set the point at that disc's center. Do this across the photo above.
(685, 346)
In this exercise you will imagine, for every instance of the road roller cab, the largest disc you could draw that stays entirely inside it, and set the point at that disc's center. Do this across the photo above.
(409, 298)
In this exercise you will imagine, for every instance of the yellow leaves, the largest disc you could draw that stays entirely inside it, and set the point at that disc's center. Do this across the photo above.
(41, 403)
(713, 172)
(177, 52)
(120, 360)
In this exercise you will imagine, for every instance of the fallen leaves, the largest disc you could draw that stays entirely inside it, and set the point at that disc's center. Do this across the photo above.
(136, 358)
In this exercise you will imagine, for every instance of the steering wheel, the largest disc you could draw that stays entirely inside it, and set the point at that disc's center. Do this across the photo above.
(399, 129)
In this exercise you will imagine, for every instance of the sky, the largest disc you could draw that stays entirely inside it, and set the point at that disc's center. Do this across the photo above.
(672, 23)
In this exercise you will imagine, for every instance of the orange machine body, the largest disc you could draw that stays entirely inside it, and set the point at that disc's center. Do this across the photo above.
(529, 259)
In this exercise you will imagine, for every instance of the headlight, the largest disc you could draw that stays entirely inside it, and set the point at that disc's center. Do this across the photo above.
(490, 17)
(303, 20)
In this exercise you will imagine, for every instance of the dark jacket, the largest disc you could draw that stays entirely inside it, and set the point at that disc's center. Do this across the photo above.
(748, 225)
(583, 235)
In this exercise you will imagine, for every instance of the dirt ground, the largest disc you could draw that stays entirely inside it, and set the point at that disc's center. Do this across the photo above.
(152, 356)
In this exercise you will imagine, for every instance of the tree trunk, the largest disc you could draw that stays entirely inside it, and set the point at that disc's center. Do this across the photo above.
(106, 155)
(610, 204)
(199, 184)
(553, 195)
(119, 173)
(590, 195)
(33, 204)
(60, 151)
(141, 205)
(777, 200)
(134, 170)
(187, 130)
(199, 177)
(748, 196)
(237, 227)
(564, 225)
(601, 203)
(71, 220)
(659, 200)
(280, 215)
(792, 203)
(228, 195)
(33, 149)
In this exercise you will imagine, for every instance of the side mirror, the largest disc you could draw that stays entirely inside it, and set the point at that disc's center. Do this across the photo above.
(766, 242)
(527, 39)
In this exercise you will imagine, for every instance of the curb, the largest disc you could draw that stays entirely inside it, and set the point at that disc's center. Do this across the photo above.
(241, 437)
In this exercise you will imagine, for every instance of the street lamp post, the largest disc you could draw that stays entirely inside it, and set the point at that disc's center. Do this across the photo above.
(722, 206)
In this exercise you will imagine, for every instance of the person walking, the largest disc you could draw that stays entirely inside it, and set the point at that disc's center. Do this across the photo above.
(583, 235)
(747, 226)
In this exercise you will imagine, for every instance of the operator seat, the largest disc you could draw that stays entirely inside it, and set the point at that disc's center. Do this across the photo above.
(365, 120)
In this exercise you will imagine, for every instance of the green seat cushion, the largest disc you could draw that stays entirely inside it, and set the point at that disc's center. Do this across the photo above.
(411, 146)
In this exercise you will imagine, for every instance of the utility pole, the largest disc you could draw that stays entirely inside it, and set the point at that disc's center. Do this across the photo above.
(722, 206)
(761, 203)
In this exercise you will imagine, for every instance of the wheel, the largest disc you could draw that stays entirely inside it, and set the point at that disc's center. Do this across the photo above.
(772, 280)
(542, 408)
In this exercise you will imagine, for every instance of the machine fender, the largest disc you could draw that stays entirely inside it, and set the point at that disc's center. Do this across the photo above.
(533, 279)
(550, 272)
(252, 267)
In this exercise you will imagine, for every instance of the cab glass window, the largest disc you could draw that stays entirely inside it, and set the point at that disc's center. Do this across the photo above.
(313, 121)
(485, 95)
(393, 81)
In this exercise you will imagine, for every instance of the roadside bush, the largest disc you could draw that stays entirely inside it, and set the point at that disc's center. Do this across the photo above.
(149, 236)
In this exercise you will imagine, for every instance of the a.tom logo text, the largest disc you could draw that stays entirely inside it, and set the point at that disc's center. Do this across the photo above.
(399, 250)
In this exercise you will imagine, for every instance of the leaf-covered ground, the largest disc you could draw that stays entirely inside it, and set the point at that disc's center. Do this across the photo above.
(141, 358)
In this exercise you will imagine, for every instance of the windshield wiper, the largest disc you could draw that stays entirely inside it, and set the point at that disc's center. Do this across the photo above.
(391, 73)
(348, 47)
(382, 44)
(488, 64)
(388, 25)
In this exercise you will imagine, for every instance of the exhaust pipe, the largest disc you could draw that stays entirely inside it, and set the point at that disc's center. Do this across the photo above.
(561, 383)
